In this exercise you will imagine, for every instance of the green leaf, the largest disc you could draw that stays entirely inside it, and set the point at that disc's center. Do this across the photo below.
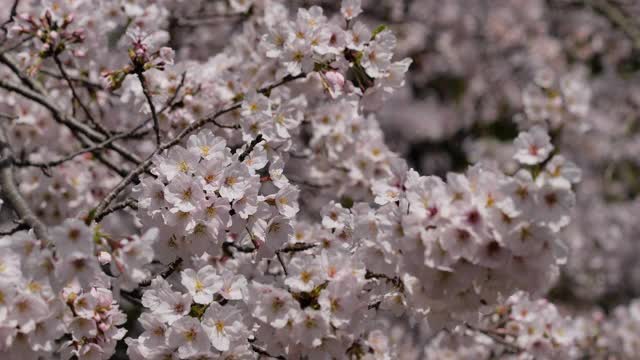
(378, 30)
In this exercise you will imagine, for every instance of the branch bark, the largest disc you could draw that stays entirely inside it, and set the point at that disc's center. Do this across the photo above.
(12, 195)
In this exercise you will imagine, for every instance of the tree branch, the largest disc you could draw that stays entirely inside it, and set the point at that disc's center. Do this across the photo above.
(13, 12)
(20, 226)
(75, 126)
(250, 148)
(16, 70)
(147, 163)
(128, 203)
(263, 352)
(111, 196)
(100, 146)
(154, 116)
(12, 194)
(171, 268)
(75, 95)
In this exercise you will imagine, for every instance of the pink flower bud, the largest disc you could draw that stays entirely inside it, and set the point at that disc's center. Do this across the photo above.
(104, 327)
(335, 78)
(79, 33)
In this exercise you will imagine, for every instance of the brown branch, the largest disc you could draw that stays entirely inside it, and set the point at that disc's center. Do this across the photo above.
(135, 295)
(8, 116)
(209, 19)
(62, 160)
(168, 105)
(242, 249)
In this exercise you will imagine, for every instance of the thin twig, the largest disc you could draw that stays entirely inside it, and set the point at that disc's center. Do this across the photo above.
(284, 268)
(154, 116)
(171, 268)
(267, 90)
(84, 82)
(250, 148)
(147, 163)
(209, 19)
(168, 105)
(263, 352)
(76, 127)
(128, 203)
(26, 80)
(12, 13)
(20, 226)
(293, 248)
(75, 95)
(62, 160)
(111, 196)
(297, 247)
(240, 248)
(102, 145)
(16, 45)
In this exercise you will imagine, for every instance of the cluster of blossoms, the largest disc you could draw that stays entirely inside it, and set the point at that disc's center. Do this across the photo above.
(358, 54)
(267, 217)
(66, 191)
(521, 328)
(566, 103)
(458, 245)
(53, 31)
(57, 301)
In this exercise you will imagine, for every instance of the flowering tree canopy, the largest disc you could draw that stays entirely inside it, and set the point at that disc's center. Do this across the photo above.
(211, 180)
